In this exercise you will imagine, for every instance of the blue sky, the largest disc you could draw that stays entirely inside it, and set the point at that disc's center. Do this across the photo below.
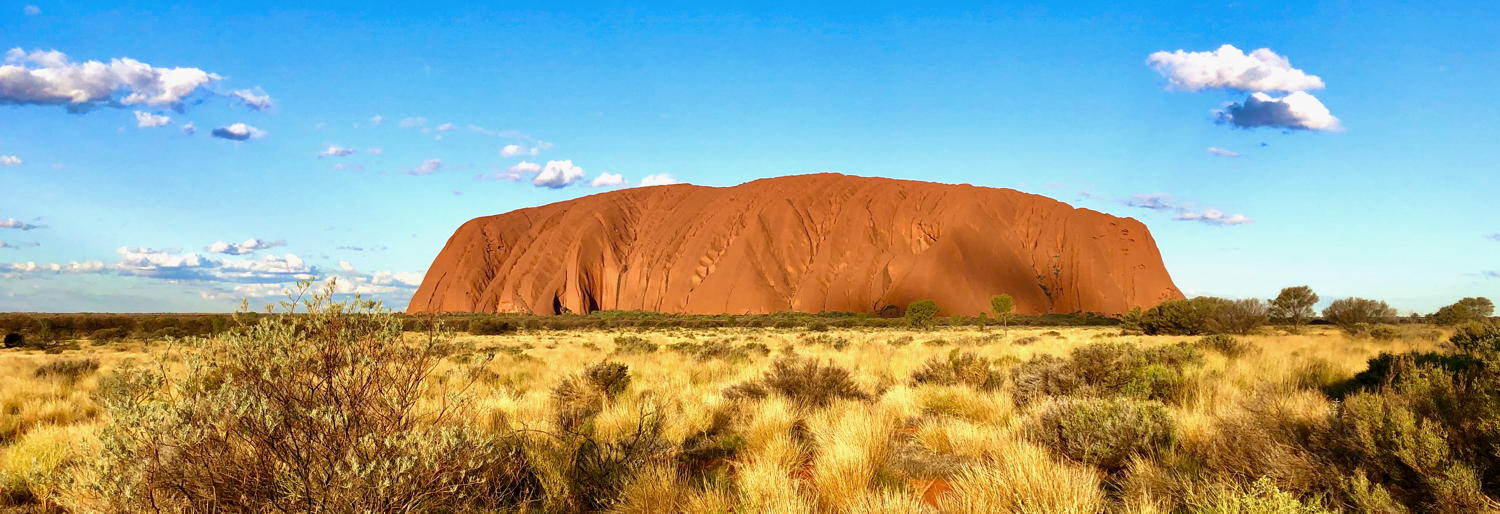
(107, 206)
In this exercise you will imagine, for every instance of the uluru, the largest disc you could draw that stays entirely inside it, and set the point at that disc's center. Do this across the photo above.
(808, 243)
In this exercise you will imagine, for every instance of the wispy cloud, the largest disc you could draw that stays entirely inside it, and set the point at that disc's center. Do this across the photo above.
(1153, 201)
(14, 246)
(18, 224)
(255, 99)
(1211, 216)
(336, 151)
(1185, 211)
(145, 119)
(412, 122)
(247, 246)
(1214, 150)
(427, 167)
(1493, 237)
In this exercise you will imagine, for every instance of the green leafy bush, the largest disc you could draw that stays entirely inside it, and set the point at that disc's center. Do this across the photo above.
(920, 313)
(1192, 316)
(1467, 310)
(1105, 432)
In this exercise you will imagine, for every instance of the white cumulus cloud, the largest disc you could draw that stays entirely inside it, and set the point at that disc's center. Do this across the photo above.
(49, 77)
(1231, 68)
(608, 180)
(189, 128)
(238, 132)
(10, 160)
(558, 174)
(659, 179)
(1297, 110)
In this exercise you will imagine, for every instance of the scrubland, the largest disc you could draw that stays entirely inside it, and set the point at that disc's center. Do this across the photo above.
(343, 411)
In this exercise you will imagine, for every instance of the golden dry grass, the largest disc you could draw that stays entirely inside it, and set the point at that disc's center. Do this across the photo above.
(850, 456)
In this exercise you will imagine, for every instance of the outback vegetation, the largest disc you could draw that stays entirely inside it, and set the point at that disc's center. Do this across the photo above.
(341, 406)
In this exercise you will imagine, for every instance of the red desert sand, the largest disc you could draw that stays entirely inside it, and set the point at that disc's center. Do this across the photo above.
(808, 243)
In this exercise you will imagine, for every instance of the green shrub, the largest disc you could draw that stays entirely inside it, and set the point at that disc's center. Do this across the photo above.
(1422, 428)
(246, 426)
(1225, 344)
(920, 313)
(487, 326)
(1192, 316)
(14, 340)
(808, 383)
(1108, 369)
(634, 344)
(960, 368)
(1384, 332)
(1477, 338)
(1350, 313)
(1105, 432)
(1239, 316)
(1467, 310)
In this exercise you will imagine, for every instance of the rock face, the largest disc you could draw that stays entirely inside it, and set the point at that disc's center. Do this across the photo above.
(810, 243)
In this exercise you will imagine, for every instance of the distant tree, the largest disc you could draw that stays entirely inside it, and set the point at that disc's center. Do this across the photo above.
(1350, 313)
(1239, 316)
(1294, 304)
(1191, 316)
(1465, 311)
(921, 312)
(1004, 308)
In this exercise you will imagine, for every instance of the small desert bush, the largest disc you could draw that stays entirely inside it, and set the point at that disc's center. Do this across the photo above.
(1226, 345)
(960, 367)
(1108, 369)
(489, 327)
(578, 398)
(634, 344)
(319, 412)
(1105, 432)
(808, 383)
(67, 370)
